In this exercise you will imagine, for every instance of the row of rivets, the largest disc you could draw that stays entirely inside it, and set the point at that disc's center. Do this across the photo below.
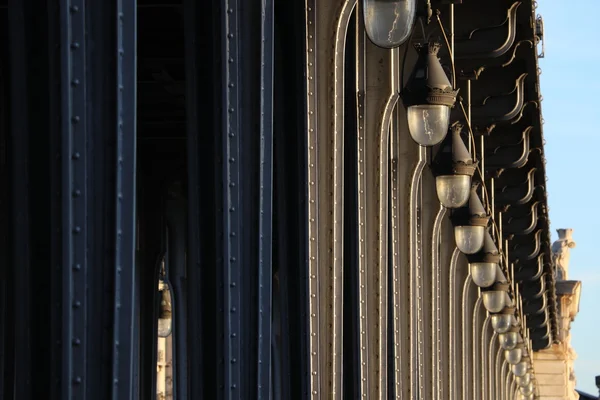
(232, 169)
(397, 324)
(313, 284)
(119, 205)
(436, 300)
(77, 202)
(363, 309)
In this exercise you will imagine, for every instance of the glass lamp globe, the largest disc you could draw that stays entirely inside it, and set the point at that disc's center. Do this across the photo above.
(469, 239)
(453, 191)
(513, 356)
(501, 323)
(520, 369)
(483, 273)
(523, 380)
(428, 123)
(527, 389)
(388, 23)
(509, 340)
(495, 300)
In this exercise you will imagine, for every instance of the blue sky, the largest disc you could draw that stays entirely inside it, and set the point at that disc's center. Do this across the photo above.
(569, 85)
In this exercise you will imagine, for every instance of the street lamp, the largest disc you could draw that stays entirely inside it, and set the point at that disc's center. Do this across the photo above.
(496, 297)
(454, 168)
(504, 320)
(484, 265)
(470, 224)
(520, 369)
(428, 97)
(527, 390)
(523, 380)
(514, 355)
(510, 339)
(388, 23)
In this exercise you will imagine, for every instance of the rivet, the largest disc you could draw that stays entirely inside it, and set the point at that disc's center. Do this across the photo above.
(77, 380)
(76, 342)
(230, 36)
(75, 82)
(77, 229)
(76, 304)
(74, 9)
(76, 193)
(75, 119)
(76, 156)
(77, 267)
(74, 45)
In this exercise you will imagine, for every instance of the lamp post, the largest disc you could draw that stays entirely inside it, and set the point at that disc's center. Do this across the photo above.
(496, 297)
(485, 265)
(504, 320)
(454, 169)
(428, 97)
(470, 224)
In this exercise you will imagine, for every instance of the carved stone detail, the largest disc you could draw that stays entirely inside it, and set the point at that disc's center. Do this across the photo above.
(561, 252)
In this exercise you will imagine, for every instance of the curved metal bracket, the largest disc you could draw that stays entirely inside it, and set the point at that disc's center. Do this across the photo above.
(514, 194)
(536, 268)
(527, 250)
(514, 53)
(499, 155)
(518, 92)
(540, 331)
(534, 102)
(523, 225)
(511, 27)
(535, 307)
(535, 289)
(538, 320)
